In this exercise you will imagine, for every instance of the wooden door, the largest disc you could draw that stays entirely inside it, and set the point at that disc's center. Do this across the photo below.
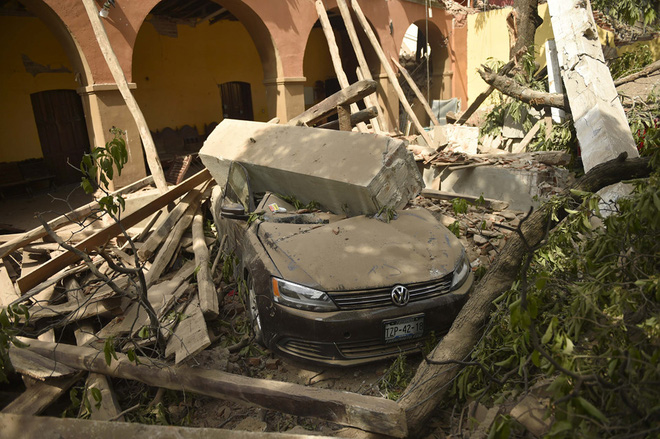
(62, 132)
(236, 100)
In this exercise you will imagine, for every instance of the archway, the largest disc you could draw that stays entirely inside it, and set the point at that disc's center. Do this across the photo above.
(426, 57)
(40, 73)
(184, 53)
(321, 78)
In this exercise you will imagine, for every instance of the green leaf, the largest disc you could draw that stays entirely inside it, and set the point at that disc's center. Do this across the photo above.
(96, 394)
(536, 358)
(548, 332)
(591, 409)
(560, 427)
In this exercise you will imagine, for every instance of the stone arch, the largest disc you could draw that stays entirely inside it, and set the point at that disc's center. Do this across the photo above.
(43, 9)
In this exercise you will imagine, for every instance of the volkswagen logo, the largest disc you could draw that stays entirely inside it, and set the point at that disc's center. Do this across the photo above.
(400, 295)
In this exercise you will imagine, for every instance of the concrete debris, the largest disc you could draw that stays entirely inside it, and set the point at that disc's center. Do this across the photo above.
(343, 171)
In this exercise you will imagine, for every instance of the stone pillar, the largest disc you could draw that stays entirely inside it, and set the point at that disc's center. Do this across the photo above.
(104, 108)
(388, 101)
(285, 97)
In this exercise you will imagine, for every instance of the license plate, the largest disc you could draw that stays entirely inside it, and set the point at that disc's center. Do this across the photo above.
(404, 328)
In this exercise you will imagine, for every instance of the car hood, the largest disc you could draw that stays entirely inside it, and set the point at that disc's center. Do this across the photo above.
(361, 252)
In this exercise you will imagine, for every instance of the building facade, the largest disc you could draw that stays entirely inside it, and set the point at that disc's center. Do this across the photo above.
(191, 64)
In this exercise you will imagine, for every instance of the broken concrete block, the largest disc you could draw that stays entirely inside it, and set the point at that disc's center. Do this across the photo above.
(462, 138)
(600, 122)
(346, 172)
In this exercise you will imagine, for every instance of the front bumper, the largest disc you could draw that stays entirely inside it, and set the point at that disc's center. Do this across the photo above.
(352, 337)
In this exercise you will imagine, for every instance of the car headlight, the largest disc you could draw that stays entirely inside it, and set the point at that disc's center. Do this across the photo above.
(461, 272)
(301, 297)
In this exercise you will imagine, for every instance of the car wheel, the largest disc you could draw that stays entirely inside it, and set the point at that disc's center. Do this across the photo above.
(253, 311)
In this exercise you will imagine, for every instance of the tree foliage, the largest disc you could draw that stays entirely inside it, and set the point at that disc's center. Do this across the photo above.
(582, 325)
(630, 11)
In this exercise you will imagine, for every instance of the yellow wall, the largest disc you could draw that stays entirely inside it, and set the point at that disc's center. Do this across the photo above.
(177, 78)
(26, 35)
(317, 63)
(654, 45)
(488, 36)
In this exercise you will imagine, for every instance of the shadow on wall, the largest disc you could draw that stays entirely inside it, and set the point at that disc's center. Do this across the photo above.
(171, 142)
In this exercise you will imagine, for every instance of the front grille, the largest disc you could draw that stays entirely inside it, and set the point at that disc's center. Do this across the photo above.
(380, 297)
(349, 350)
(377, 348)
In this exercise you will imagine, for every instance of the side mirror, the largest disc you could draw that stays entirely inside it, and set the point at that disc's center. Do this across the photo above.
(233, 211)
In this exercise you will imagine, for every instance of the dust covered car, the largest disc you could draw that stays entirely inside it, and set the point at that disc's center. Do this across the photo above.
(341, 290)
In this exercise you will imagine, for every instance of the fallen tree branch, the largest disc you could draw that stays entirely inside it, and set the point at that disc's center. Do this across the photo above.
(646, 71)
(511, 88)
(429, 384)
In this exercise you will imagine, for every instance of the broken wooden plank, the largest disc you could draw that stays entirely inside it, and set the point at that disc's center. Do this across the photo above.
(328, 106)
(444, 195)
(524, 143)
(208, 297)
(156, 238)
(160, 296)
(118, 74)
(600, 122)
(417, 91)
(35, 400)
(368, 413)
(363, 72)
(101, 237)
(336, 61)
(36, 366)
(23, 239)
(46, 427)
(108, 408)
(164, 255)
(191, 334)
(8, 292)
(388, 70)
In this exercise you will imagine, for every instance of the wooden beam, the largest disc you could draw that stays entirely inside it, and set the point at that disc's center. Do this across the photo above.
(164, 255)
(101, 237)
(47, 427)
(368, 413)
(328, 106)
(191, 334)
(418, 93)
(81, 212)
(7, 290)
(444, 195)
(363, 71)
(208, 297)
(336, 59)
(522, 146)
(149, 246)
(36, 399)
(390, 73)
(131, 103)
(360, 116)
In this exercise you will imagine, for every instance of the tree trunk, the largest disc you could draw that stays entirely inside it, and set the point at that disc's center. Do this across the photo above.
(525, 20)
(429, 384)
